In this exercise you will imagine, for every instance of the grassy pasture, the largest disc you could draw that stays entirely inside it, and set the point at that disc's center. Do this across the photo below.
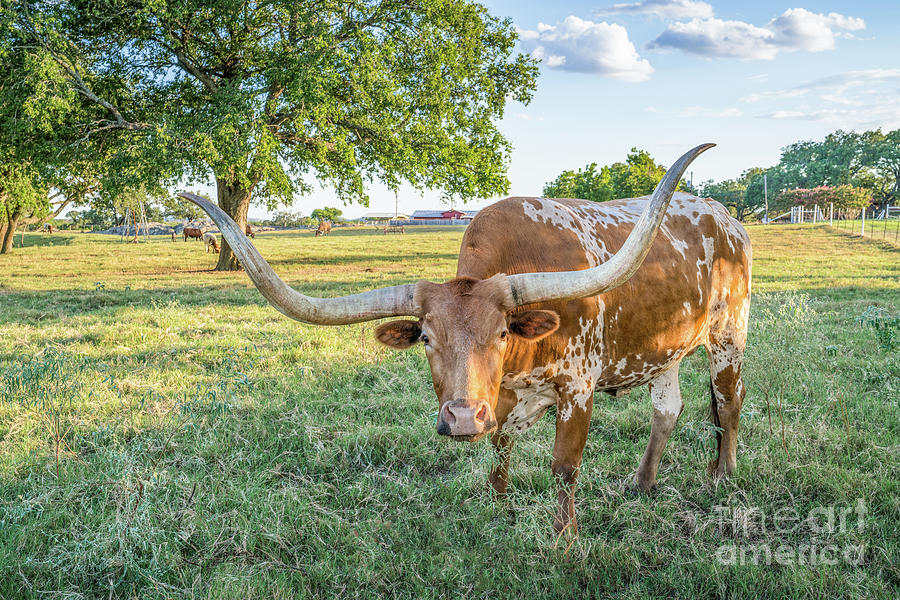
(165, 434)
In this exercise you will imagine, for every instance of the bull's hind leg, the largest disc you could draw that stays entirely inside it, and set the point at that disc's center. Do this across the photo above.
(667, 407)
(726, 357)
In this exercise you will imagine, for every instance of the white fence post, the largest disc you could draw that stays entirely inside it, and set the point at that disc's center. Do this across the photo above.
(862, 229)
(815, 213)
(831, 214)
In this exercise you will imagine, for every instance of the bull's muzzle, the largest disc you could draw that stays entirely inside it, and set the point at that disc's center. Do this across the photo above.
(466, 420)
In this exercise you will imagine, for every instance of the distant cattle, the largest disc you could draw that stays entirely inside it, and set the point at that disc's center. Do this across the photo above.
(48, 228)
(211, 242)
(249, 231)
(324, 228)
(192, 232)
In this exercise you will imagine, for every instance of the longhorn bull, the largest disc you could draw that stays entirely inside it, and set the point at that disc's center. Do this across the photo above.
(211, 243)
(324, 228)
(538, 316)
(192, 232)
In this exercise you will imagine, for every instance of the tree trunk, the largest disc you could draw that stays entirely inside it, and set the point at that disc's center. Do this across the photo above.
(235, 201)
(10, 232)
(4, 221)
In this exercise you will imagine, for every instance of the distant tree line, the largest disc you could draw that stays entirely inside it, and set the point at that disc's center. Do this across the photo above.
(285, 218)
(103, 215)
(849, 169)
(637, 176)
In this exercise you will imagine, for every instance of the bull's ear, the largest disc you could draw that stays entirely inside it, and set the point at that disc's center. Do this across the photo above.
(533, 324)
(399, 335)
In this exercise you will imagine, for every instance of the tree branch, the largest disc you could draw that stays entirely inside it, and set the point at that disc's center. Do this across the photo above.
(80, 86)
(192, 69)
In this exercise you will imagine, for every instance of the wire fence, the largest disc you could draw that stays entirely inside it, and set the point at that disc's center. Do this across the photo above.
(874, 223)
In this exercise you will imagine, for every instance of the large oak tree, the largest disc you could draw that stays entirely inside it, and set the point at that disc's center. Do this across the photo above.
(268, 96)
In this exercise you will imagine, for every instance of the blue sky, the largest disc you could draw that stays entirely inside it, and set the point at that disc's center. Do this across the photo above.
(665, 75)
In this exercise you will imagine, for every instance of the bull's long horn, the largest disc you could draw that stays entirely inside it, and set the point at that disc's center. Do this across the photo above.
(542, 287)
(375, 304)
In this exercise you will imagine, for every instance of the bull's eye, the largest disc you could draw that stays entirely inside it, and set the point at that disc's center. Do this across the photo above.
(425, 339)
(503, 335)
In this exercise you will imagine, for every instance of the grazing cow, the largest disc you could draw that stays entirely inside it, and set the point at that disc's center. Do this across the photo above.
(210, 241)
(192, 232)
(48, 227)
(557, 299)
(249, 231)
(324, 228)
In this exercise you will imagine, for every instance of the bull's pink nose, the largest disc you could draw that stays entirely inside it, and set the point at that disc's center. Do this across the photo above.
(459, 417)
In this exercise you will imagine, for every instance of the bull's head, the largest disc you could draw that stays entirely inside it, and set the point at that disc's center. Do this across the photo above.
(465, 325)
(465, 329)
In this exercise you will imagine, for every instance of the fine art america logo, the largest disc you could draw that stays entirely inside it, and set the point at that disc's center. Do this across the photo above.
(827, 533)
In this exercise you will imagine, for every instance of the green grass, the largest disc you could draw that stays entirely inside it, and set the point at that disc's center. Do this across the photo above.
(166, 434)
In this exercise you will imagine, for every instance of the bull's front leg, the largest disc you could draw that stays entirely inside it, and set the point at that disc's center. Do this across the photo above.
(573, 418)
(499, 477)
(503, 442)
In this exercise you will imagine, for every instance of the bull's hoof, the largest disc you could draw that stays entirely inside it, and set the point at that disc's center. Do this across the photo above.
(718, 472)
(562, 527)
(638, 488)
(497, 487)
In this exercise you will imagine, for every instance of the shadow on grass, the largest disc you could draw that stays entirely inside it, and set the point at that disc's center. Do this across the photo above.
(361, 259)
(37, 240)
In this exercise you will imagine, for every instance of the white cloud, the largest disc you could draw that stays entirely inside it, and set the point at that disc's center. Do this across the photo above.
(795, 29)
(526, 117)
(718, 38)
(800, 29)
(864, 99)
(587, 47)
(834, 84)
(702, 112)
(882, 113)
(664, 9)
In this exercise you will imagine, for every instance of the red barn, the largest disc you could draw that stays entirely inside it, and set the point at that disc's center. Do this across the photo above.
(450, 213)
